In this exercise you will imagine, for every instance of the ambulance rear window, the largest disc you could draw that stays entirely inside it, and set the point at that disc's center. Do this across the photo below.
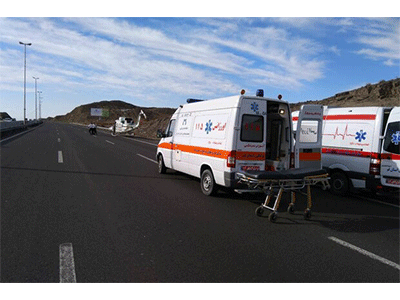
(252, 129)
(392, 138)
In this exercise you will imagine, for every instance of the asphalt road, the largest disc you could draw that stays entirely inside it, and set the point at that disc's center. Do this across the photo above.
(101, 199)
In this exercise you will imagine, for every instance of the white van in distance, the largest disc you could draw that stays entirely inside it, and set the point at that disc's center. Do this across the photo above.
(361, 147)
(214, 139)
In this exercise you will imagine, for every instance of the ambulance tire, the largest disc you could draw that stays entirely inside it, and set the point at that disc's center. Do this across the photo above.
(207, 183)
(162, 169)
(339, 183)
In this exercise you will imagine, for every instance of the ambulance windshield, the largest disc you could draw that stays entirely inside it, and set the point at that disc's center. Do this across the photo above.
(392, 138)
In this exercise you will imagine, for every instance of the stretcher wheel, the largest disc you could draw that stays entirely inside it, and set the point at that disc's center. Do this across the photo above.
(307, 214)
(290, 208)
(272, 217)
(259, 211)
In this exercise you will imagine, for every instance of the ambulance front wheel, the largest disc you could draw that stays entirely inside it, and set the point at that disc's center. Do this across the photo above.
(161, 166)
(208, 185)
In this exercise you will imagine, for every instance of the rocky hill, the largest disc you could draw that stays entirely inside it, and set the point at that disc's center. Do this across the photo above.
(384, 93)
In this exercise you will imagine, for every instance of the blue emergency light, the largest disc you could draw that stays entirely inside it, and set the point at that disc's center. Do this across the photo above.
(260, 93)
(190, 100)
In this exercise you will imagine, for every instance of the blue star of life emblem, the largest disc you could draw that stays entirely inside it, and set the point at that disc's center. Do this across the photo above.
(360, 135)
(396, 138)
(254, 107)
(208, 126)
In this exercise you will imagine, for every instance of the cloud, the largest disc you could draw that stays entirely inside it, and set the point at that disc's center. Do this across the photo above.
(379, 39)
(203, 57)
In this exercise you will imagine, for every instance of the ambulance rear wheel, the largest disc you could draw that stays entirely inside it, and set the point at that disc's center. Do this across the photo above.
(161, 166)
(339, 183)
(207, 183)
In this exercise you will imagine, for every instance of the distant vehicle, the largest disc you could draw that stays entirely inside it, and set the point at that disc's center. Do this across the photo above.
(215, 139)
(125, 125)
(361, 147)
(5, 117)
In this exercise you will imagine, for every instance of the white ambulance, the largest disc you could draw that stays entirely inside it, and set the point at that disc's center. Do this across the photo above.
(361, 147)
(214, 139)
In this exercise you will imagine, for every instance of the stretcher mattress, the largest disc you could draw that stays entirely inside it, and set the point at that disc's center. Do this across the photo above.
(285, 174)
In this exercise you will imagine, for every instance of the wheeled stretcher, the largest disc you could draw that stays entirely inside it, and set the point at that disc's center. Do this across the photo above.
(292, 180)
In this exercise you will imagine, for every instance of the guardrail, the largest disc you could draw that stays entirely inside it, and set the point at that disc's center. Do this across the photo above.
(8, 128)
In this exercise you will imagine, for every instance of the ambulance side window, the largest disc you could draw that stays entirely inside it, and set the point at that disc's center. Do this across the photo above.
(170, 130)
(252, 129)
(392, 138)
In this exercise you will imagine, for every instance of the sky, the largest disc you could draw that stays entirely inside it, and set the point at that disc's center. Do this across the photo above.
(160, 61)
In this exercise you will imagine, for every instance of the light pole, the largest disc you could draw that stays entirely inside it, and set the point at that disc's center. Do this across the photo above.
(36, 78)
(25, 44)
(40, 105)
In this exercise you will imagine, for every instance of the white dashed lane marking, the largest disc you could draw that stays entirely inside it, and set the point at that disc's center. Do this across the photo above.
(60, 157)
(67, 264)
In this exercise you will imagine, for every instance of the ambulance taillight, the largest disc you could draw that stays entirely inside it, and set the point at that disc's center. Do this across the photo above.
(375, 166)
(231, 160)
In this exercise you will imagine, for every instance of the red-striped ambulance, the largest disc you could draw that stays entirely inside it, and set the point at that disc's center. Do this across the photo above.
(214, 139)
(361, 147)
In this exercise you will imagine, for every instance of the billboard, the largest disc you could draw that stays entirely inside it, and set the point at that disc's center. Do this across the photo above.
(99, 112)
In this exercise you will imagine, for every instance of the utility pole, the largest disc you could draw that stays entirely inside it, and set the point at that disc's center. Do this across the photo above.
(25, 44)
(36, 78)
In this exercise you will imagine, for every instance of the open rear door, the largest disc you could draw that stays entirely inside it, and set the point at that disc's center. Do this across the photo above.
(309, 137)
(390, 164)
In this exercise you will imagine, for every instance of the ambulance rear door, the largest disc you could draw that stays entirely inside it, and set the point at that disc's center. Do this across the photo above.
(390, 155)
(250, 145)
(309, 137)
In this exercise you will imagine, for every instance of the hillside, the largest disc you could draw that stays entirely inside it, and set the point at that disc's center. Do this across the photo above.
(384, 93)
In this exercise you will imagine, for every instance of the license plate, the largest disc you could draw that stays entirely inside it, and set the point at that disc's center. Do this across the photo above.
(393, 181)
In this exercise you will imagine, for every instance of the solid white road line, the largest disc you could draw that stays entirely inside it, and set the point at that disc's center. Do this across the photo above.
(60, 157)
(110, 142)
(365, 252)
(67, 264)
(152, 160)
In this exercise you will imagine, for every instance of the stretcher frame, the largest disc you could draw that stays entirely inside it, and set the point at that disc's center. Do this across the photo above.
(268, 186)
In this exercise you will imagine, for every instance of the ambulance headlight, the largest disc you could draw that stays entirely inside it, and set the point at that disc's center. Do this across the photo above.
(260, 93)
(281, 111)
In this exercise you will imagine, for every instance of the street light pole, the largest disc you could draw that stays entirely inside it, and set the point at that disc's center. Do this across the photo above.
(36, 78)
(40, 105)
(25, 44)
